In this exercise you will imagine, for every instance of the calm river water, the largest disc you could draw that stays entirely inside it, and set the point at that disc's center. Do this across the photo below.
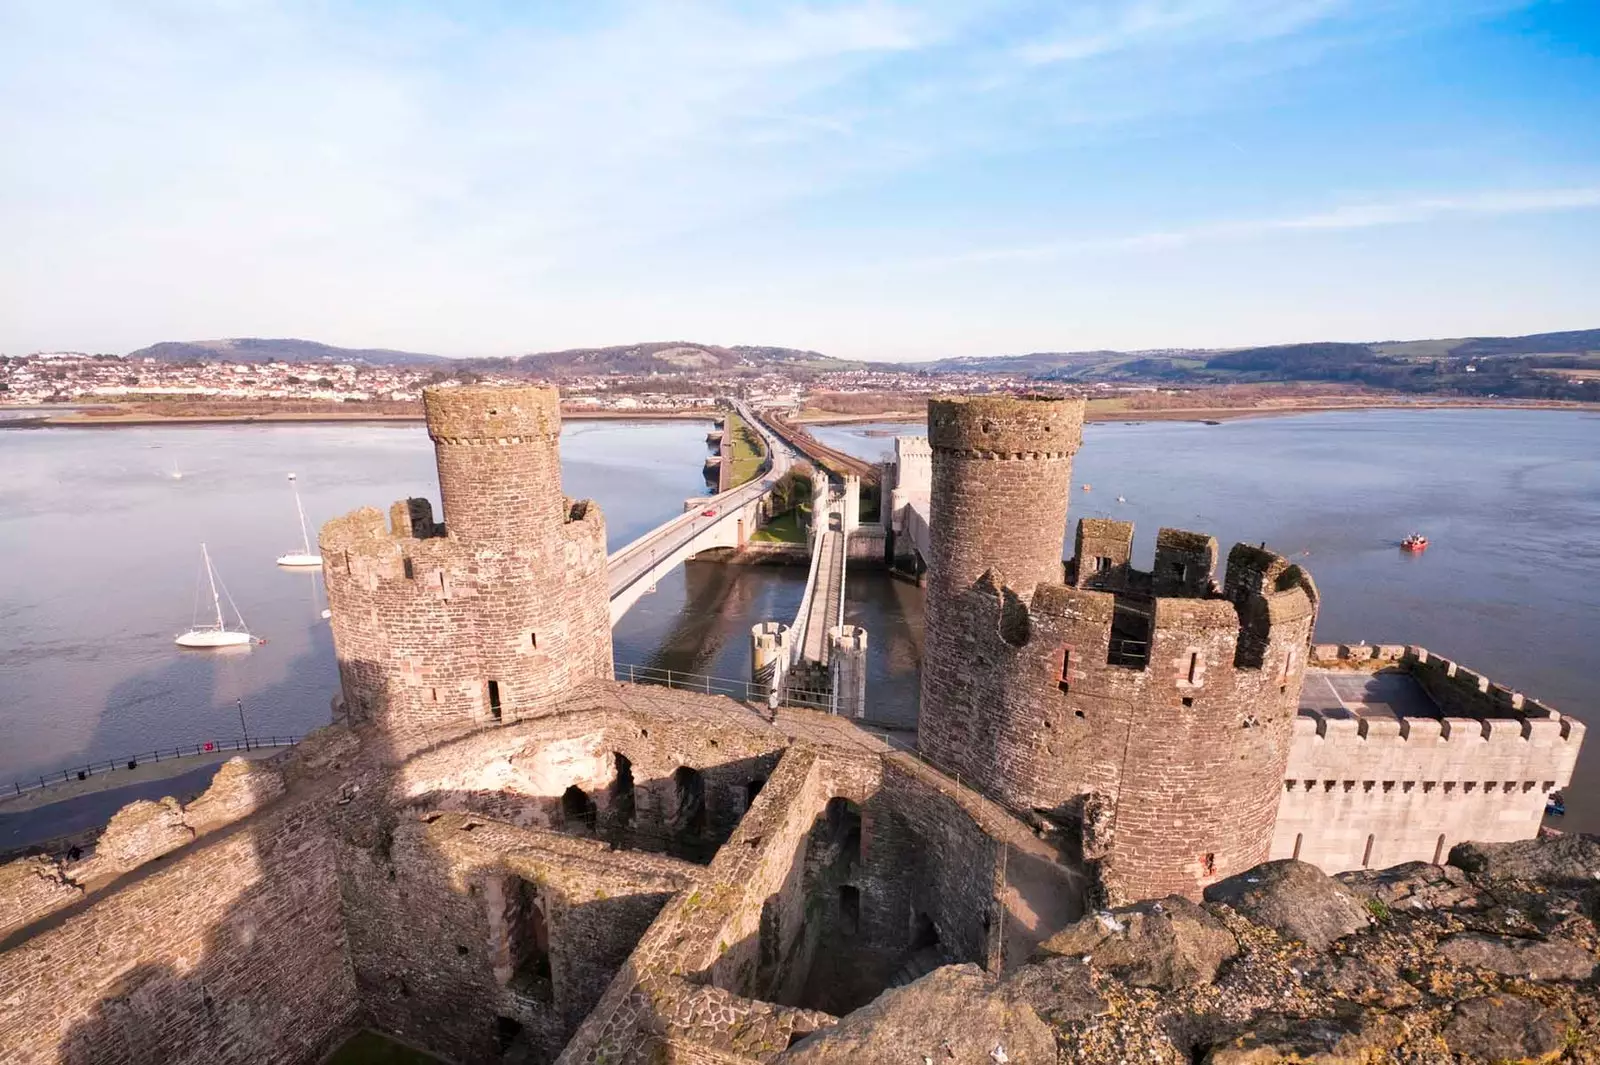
(103, 551)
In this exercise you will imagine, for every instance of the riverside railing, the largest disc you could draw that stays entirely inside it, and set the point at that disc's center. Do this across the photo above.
(748, 691)
(133, 761)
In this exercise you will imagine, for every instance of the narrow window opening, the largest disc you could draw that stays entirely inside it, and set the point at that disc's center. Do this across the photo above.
(622, 791)
(494, 699)
(577, 809)
(689, 788)
(433, 695)
(506, 1031)
(1366, 855)
(1066, 669)
(533, 640)
(1194, 666)
(1299, 838)
(1438, 850)
(1180, 571)
(849, 909)
(1208, 862)
(528, 941)
(843, 819)
(410, 570)
(1188, 700)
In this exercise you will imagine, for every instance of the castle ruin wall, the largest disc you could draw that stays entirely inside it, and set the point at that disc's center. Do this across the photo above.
(231, 951)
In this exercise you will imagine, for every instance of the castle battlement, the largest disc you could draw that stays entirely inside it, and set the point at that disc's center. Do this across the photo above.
(489, 615)
(1419, 754)
(1006, 427)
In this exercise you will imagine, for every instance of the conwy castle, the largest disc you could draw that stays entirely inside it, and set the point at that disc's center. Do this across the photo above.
(499, 853)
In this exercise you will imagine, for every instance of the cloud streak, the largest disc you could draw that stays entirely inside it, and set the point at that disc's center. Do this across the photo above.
(1355, 216)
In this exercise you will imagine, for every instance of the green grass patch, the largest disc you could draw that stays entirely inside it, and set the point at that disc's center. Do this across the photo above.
(370, 1048)
(747, 451)
(784, 529)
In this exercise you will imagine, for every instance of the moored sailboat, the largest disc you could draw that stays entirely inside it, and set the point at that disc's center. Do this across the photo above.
(305, 556)
(206, 637)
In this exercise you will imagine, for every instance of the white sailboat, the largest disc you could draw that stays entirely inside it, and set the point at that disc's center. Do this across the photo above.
(305, 556)
(218, 635)
(177, 474)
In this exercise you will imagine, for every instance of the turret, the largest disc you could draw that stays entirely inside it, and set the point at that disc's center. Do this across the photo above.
(1002, 474)
(493, 614)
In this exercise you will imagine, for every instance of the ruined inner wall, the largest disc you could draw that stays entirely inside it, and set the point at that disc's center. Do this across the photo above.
(492, 615)
(1369, 792)
(444, 943)
(1002, 473)
(1157, 725)
(231, 951)
(692, 990)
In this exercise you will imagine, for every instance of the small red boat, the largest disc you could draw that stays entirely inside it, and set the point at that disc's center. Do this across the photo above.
(1414, 542)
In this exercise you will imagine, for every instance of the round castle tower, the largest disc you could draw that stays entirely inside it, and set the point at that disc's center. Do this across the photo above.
(492, 615)
(1002, 474)
(1148, 712)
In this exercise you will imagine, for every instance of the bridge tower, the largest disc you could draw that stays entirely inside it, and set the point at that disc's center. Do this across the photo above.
(493, 614)
(1001, 477)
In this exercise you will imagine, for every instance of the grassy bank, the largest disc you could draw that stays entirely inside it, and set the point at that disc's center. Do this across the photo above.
(747, 451)
(784, 529)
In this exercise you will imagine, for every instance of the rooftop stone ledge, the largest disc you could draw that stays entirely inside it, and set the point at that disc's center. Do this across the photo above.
(1006, 425)
(491, 413)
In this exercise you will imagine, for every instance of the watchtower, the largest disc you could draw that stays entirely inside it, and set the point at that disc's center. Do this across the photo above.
(1002, 474)
(492, 614)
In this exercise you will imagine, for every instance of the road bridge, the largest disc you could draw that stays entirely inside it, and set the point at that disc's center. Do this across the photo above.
(724, 520)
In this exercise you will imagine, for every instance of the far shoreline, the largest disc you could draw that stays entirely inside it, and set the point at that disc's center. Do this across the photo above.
(1224, 414)
(146, 420)
(78, 420)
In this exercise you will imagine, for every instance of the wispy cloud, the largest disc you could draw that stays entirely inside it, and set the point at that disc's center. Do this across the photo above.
(1366, 215)
(1091, 30)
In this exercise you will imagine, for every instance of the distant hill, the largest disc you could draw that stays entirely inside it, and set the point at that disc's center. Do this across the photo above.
(259, 349)
(673, 357)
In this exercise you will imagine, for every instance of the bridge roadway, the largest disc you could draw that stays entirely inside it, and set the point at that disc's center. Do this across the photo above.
(635, 568)
(823, 607)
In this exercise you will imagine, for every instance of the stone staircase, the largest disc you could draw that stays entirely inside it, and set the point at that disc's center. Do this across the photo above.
(918, 965)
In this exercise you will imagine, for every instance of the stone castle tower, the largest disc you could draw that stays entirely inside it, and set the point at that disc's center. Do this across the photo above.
(1153, 710)
(490, 615)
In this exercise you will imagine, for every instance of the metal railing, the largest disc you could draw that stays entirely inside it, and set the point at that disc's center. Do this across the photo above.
(133, 761)
(748, 691)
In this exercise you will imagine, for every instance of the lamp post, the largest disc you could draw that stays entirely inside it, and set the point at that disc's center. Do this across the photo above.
(242, 727)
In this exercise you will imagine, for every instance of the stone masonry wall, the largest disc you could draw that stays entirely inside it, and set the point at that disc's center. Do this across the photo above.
(1170, 759)
(495, 614)
(1002, 473)
(231, 952)
(434, 954)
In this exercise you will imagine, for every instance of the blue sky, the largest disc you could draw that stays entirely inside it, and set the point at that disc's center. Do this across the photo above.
(873, 179)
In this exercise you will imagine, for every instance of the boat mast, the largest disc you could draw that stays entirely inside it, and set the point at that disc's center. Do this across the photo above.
(305, 537)
(217, 602)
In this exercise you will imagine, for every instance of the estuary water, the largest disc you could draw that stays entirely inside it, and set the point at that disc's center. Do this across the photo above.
(101, 543)
(1509, 499)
